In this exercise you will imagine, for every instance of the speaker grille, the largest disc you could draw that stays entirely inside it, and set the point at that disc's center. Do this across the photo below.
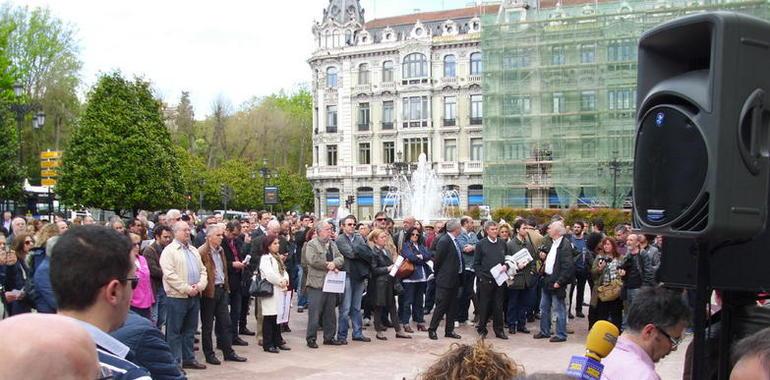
(697, 219)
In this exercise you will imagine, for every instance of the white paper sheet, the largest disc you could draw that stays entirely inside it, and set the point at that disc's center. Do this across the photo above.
(499, 275)
(522, 257)
(283, 306)
(397, 264)
(334, 282)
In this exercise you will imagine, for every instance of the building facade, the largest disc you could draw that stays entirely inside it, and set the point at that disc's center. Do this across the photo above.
(386, 91)
(560, 97)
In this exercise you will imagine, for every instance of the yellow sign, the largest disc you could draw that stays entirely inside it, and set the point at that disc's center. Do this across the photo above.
(49, 173)
(48, 182)
(50, 154)
(50, 164)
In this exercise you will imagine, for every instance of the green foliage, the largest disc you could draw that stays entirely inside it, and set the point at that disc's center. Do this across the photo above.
(44, 52)
(10, 172)
(120, 157)
(610, 216)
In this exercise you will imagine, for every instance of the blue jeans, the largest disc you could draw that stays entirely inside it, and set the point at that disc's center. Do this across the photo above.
(159, 308)
(413, 302)
(182, 321)
(301, 296)
(519, 302)
(547, 301)
(630, 295)
(350, 309)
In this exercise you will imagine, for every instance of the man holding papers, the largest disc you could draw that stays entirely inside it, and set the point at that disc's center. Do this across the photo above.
(322, 257)
(489, 265)
(521, 289)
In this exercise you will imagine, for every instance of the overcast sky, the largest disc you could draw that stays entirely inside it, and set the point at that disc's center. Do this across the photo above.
(236, 49)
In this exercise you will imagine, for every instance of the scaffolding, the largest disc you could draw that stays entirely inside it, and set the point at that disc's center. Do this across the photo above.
(560, 99)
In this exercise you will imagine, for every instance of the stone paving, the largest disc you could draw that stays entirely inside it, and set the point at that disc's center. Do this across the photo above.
(397, 359)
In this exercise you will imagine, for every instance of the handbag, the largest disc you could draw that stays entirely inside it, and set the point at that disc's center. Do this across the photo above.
(610, 292)
(405, 270)
(260, 287)
(398, 289)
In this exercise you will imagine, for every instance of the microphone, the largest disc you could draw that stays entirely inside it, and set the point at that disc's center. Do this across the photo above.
(600, 341)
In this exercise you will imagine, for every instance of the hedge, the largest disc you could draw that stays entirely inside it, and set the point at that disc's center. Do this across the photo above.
(610, 216)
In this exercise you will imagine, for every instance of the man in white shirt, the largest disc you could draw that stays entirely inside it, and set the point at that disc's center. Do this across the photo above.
(559, 272)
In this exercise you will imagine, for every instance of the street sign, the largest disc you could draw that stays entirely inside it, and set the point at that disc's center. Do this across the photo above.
(48, 182)
(50, 164)
(271, 195)
(50, 154)
(49, 173)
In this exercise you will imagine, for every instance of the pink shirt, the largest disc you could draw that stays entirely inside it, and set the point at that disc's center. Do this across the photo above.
(628, 361)
(143, 297)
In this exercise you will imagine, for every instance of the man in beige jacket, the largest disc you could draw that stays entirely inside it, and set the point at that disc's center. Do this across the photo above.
(184, 278)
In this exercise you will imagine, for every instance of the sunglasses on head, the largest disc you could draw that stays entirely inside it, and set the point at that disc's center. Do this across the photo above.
(380, 219)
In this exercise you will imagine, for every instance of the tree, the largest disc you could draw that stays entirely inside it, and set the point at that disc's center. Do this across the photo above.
(185, 123)
(121, 157)
(10, 172)
(44, 52)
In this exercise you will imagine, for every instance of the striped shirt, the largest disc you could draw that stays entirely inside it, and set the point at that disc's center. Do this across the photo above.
(112, 356)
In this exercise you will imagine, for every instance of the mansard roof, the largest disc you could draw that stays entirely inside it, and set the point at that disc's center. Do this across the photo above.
(451, 14)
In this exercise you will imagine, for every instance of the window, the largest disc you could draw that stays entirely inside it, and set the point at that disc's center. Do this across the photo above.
(364, 154)
(413, 147)
(450, 150)
(559, 104)
(388, 152)
(477, 149)
(517, 105)
(387, 114)
(331, 155)
(621, 99)
(477, 107)
(518, 58)
(387, 71)
(588, 101)
(363, 116)
(331, 119)
(558, 55)
(450, 111)
(588, 54)
(450, 66)
(415, 66)
(363, 74)
(316, 161)
(476, 64)
(622, 50)
(415, 111)
(331, 77)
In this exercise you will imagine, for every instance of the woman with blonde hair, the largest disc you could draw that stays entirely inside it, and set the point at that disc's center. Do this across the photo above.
(39, 250)
(478, 361)
(382, 283)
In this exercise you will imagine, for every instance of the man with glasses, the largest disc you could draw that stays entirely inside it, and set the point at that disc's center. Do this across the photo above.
(381, 220)
(357, 269)
(152, 253)
(656, 322)
(93, 276)
(184, 278)
(322, 257)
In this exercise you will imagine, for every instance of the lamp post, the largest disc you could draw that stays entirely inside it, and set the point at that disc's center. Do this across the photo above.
(202, 184)
(616, 167)
(265, 173)
(21, 110)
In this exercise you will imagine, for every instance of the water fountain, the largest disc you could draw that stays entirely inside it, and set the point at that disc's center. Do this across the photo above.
(423, 196)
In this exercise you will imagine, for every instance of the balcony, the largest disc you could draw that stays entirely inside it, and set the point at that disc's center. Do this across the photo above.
(414, 81)
(314, 172)
(448, 168)
(450, 122)
(364, 127)
(388, 86)
(387, 125)
(473, 167)
(362, 88)
(476, 120)
(449, 80)
(362, 171)
(474, 79)
(415, 124)
(331, 129)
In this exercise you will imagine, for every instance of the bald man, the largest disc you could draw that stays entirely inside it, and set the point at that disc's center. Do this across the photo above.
(66, 351)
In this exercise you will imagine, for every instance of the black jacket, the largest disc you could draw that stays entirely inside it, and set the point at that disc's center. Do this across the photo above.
(148, 347)
(487, 255)
(446, 263)
(235, 276)
(563, 269)
(357, 260)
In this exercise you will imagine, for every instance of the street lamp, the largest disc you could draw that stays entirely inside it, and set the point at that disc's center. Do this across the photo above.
(616, 167)
(21, 110)
(398, 166)
(265, 173)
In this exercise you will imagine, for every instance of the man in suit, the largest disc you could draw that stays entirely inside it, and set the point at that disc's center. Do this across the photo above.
(448, 267)
(558, 272)
(235, 272)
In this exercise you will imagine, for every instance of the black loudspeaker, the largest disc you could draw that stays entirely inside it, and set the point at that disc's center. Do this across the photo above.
(701, 159)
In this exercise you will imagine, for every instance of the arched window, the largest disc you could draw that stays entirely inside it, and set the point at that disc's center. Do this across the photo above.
(415, 66)
(331, 77)
(363, 73)
(450, 65)
(476, 64)
(387, 71)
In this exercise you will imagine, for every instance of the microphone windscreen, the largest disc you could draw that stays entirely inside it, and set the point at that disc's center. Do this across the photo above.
(601, 339)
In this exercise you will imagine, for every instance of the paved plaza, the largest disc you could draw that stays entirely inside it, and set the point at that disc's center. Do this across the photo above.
(398, 358)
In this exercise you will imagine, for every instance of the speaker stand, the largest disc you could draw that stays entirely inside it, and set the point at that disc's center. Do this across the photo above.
(702, 303)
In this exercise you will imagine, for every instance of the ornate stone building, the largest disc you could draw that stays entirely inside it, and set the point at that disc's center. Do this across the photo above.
(387, 90)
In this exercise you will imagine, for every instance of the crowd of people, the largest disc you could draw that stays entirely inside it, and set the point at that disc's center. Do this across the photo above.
(174, 271)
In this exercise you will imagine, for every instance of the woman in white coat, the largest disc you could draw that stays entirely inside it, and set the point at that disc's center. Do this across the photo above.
(272, 269)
